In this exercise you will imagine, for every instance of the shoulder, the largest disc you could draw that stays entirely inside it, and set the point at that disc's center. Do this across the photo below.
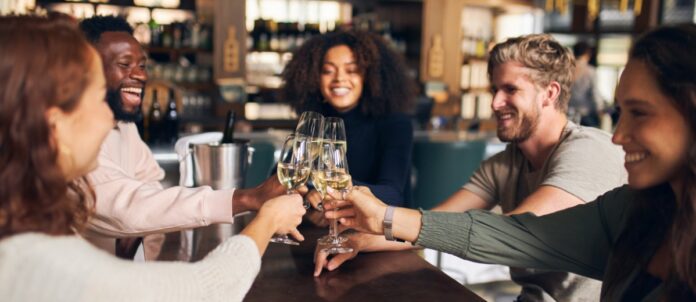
(42, 249)
(581, 139)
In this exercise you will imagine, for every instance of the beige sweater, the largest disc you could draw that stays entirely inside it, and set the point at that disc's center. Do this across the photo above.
(39, 267)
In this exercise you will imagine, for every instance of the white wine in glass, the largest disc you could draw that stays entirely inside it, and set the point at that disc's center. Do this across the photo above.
(292, 176)
(294, 168)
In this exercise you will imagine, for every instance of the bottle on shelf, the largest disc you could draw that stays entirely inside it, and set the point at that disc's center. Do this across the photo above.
(228, 132)
(170, 123)
(154, 121)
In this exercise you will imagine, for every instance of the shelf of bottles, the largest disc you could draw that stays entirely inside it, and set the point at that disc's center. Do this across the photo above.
(276, 28)
(476, 29)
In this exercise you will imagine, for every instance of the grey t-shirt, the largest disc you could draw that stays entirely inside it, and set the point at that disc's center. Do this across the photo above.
(585, 164)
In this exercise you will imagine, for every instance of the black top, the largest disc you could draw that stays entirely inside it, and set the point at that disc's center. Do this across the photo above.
(379, 152)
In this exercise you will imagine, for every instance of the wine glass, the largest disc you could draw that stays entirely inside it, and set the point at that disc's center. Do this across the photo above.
(332, 172)
(294, 167)
(310, 126)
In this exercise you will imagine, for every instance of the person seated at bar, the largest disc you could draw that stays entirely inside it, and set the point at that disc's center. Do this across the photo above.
(130, 200)
(53, 119)
(549, 164)
(640, 238)
(357, 77)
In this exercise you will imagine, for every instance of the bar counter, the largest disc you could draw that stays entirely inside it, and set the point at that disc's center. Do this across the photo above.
(286, 275)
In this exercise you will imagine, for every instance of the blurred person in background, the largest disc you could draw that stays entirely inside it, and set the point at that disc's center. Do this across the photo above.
(585, 102)
(53, 119)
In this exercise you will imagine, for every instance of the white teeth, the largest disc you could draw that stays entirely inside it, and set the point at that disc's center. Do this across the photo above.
(635, 157)
(504, 116)
(340, 91)
(132, 90)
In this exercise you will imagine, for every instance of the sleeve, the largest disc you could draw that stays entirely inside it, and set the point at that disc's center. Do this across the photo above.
(74, 270)
(577, 240)
(136, 206)
(585, 166)
(396, 145)
(484, 181)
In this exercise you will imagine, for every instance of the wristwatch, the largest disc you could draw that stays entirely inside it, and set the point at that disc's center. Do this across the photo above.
(387, 224)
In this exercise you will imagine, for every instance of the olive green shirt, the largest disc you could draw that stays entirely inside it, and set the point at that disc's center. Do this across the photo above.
(577, 240)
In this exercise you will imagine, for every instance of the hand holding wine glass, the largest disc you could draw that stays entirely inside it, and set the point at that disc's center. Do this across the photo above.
(294, 168)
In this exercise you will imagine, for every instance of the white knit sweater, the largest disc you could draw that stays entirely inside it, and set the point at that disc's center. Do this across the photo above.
(39, 267)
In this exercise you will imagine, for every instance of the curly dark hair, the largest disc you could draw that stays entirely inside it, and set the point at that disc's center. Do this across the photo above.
(667, 52)
(34, 194)
(94, 27)
(387, 87)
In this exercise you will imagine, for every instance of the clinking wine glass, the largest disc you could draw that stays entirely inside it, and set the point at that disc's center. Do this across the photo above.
(294, 168)
(332, 173)
(310, 126)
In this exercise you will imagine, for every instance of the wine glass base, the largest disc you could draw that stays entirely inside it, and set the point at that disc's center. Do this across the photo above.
(331, 240)
(284, 240)
(337, 250)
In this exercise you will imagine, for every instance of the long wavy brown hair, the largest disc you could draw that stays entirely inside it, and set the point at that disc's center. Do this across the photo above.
(45, 63)
(387, 87)
(668, 53)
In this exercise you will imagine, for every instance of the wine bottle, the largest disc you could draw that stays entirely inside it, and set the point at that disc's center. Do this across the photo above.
(154, 120)
(171, 120)
(228, 134)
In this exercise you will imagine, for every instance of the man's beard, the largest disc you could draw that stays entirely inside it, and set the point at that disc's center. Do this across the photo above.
(113, 97)
(524, 130)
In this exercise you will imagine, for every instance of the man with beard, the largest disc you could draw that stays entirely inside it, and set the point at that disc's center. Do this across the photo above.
(130, 201)
(549, 164)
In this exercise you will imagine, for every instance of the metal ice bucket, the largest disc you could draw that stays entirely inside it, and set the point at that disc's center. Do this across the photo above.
(220, 166)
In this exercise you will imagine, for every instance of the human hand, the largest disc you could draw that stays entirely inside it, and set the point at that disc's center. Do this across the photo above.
(356, 240)
(315, 200)
(284, 214)
(358, 209)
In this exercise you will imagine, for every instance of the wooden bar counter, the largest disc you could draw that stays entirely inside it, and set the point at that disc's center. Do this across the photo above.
(286, 275)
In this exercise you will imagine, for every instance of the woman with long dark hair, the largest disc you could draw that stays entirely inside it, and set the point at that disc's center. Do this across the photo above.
(357, 77)
(53, 118)
(640, 239)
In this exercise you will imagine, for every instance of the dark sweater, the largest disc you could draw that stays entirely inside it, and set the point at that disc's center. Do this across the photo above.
(379, 152)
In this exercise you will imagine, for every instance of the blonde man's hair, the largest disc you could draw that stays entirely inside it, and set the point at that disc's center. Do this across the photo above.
(548, 60)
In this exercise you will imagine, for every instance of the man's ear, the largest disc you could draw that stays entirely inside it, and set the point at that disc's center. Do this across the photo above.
(552, 93)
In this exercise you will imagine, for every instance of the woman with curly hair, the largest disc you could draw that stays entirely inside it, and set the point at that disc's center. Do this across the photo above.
(357, 77)
(639, 239)
(53, 119)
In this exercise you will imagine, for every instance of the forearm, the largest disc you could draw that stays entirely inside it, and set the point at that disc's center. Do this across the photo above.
(260, 231)
(521, 240)
(406, 224)
(132, 208)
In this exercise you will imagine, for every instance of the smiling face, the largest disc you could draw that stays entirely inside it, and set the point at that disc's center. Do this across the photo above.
(341, 80)
(652, 132)
(124, 67)
(516, 102)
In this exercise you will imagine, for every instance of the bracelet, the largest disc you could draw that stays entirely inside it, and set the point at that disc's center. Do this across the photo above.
(387, 224)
